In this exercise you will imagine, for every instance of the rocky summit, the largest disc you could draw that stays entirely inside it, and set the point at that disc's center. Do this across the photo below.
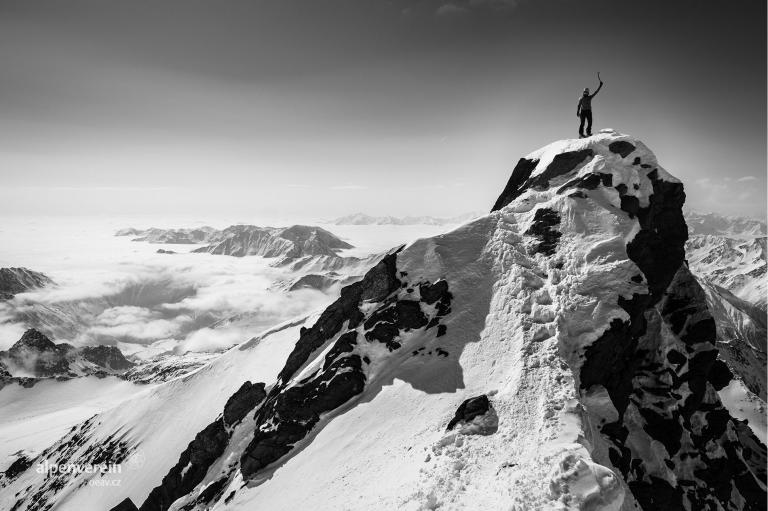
(36, 356)
(557, 353)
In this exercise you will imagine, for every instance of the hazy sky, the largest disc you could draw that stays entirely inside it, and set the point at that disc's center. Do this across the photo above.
(321, 108)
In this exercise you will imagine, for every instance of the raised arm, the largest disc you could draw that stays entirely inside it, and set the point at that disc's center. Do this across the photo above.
(598, 89)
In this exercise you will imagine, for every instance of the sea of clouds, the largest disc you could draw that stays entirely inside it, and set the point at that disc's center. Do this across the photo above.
(111, 290)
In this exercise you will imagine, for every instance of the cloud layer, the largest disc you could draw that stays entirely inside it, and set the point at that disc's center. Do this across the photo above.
(112, 291)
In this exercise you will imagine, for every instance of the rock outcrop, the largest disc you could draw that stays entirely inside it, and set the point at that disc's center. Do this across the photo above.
(36, 356)
(18, 280)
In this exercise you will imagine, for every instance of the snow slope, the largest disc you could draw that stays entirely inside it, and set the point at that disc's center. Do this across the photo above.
(737, 264)
(153, 428)
(35, 417)
(569, 307)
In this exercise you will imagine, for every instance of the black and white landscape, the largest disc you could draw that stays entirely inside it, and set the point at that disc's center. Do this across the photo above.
(557, 346)
(306, 255)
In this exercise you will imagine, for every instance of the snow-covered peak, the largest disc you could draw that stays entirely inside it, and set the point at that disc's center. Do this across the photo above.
(567, 162)
(554, 354)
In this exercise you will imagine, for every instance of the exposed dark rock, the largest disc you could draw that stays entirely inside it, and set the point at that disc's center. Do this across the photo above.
(621, 147)
(405, 314)
(469, 409)
(290, 413)
(659, 248)
(5, 374)
(106, 356)
(542, 228)
(521, 179)
(516, 184)
(430, 293)
(632, 362)
(36, 353)
(588, 181)
(562, 163)
(20, 464)
(379, 282)
(212, 491)
(314, 281)
(207, 446)
(298, 409)
(294, 411)
(243, 401)
(125, 505)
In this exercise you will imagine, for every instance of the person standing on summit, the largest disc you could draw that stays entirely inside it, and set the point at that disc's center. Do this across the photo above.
(584, 110)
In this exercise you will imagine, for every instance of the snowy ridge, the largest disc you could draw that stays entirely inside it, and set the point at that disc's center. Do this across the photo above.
(736, 263)
(569, 308)
(166, 367)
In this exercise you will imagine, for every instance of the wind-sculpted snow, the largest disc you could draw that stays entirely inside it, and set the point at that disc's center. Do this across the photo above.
(555, 354)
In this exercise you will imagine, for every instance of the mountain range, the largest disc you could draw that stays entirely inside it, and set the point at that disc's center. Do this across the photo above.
(363, 219)
(246, 240)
